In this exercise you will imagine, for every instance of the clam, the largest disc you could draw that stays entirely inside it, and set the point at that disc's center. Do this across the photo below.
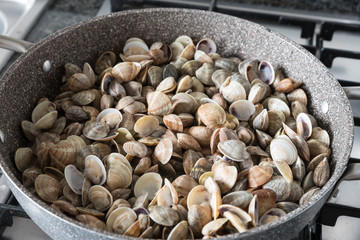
(96, 130)
(226, 64)
(320, 135)
(176, 49)
(308, 195)
(184, 103)
(188, 52)
(259, 175)
(184, 184)
(206, 45)
(201, 56)
(281, 148)
(100, 197)
(315, 161)
(126, 71)
(164, 216)
(148, 183)
(184, 40)
(266, 72)
(111, 117)
(287, 85)
(106, 60)
(215, 196)
(271, 216)
(118, 171)
(280, 186)
(47, 187)
(238, 217)
(296, 192)
(84, 97)
(188, 142)
(22, 158)
(317, 148)
(219, 76)
(212, 115)
(261, 121)
(95, 170)
(266, 199)
(308, 182)
(133, 88)
(135, 148)
(71, 69)
(212, 227)
(167, 85)
(242, 109)
(190, 67)
(143, 165)
(75, 113)
(29, 130)
(254, 211)
(180, 231)
(201, 134)
(249, 69)
(225, 176)
(233, 149)
(91, 221)
(278, 104)
(287, 206)
(163, 151)
(321, 173)
(232, 91)
(297, 95)
(158, 103)
(298, 169)
(239, 199)
(257, 93)
(198, 217)
(173, 122)
(79, 82)
(144, 126)
(284, 170)
(120, 220)
(74, 178)
(297, 108)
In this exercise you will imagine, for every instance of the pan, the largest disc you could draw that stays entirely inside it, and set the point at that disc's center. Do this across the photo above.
(36, 73)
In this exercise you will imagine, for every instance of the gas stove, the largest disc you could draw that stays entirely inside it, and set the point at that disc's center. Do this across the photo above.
(332, 38)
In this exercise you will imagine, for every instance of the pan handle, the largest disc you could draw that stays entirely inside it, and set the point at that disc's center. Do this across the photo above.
(14, 44)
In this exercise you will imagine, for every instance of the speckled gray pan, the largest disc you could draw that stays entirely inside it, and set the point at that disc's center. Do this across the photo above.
(25, 82)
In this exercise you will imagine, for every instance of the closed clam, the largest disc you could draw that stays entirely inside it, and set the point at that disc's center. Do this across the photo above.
(163, 151)
(225, 176)
(219, 76)
(233, 149)
(22, 158)
(158, 103)
(126, 71)
(280, 186)
(100, 197)
(232, 91)
(320, 135)
(201, 56)
(118, 171)
(184, 184)
(281, 148)
(239, 199)
(105, 60)
(212, 115)
(47, 187)
(257, 175)
(120, 220)
(198, 217)
(321, 173)
(201, 134)
(111, 117)
(266, 199)
(95, 170)
(146, 125)
(173, 122)
(212, 227)
(134, 148)
(242, 109)
(164, 216)
(167, 85)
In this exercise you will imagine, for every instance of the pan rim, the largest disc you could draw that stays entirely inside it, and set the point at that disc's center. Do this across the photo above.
(62, 217)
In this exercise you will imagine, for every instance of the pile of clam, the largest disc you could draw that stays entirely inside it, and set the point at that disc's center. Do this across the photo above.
(174, 142)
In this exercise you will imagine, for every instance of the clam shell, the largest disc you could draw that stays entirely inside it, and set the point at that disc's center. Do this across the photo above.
(232, 91)
(95, 170)
(184, 184)
(167, 85)
(201, 134)
(287, 206)
(322, 173)
(297, 95)
(280, 186)
(242, 109)
(111, 117)
(258, 176)
(148, 183)
(22, 158)
(320, 135)
(201, 56)
(206, 45)
(257, 93)
(261, 121)
(266, 72)
(126, 71)
(163, 151)
(47, 187)
(233, 149)
(79, 82)
(266, 199)
(188, 142)
(284, 170)
(281, 148)
(74, 178)
(298, 169)
(212, 115)
(238, 217)
(164, 216)
(120, 220)
(212, 227)
(278, 104)
(158, 103)
(239, 199)
(100, 197)
(308, 195)
(296, 192)
(198, 217)
(215, 196)
(91, 221)
(118, 171)
(225, 176)
(271, 216)
(134, 148)
(180, 231)
(173, 122)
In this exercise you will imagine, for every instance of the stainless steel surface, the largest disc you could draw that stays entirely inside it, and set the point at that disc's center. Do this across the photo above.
(16, 19)
(353, 93)
(4, 189)
(14, 44)
(250, 38)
